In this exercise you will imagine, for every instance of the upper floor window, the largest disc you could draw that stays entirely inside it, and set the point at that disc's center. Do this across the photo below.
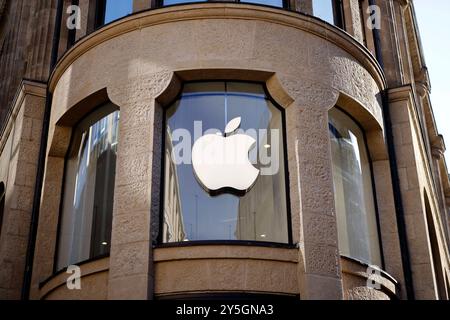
(354, 194)
(85, 226)
(224, 176)
(170, 2)
(2, 204)
(275, 3)
(330, 11)
(111, 10)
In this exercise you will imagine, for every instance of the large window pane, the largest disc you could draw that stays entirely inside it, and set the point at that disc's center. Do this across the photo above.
(324, 9)
(89, 189)
(116, 9)
(275, 3)
(355, 206)
(190, 212)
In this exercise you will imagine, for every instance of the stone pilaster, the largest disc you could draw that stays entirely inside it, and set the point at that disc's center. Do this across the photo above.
(353, 23)
(20, 144)
(408, 163)
(312, 188)
(136, 195)
(40, 48)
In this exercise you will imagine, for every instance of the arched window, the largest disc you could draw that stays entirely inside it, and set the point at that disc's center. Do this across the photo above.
(231, 199)
(330, 11)
(85, 226)
(353, 188)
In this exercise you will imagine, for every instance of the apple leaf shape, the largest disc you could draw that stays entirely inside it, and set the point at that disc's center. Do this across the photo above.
(233, 125)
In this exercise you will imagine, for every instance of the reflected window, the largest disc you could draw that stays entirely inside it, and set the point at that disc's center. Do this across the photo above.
(353, 189)
(85, 231)
(330, 11)
(191, 211)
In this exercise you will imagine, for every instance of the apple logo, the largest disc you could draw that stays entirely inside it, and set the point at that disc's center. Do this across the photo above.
(221, 163)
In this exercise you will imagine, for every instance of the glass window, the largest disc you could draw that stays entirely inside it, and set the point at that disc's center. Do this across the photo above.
(355, 206)
(170, 2)
(329, 11)
(86, 218)
(275, 3)
(193, 213)
(116, 9)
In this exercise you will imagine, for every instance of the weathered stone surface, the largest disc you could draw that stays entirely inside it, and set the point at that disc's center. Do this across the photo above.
(308, 66)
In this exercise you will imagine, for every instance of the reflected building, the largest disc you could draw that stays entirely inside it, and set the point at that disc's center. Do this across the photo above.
(254, 222)
(174, 229)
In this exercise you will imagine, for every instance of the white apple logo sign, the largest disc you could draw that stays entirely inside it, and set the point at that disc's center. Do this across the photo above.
(221, 162)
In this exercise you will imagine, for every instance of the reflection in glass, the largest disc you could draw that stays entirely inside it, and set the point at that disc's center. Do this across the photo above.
(89, 189)
(116, 9)
(191, 213)
(170, 2)
(355, 206)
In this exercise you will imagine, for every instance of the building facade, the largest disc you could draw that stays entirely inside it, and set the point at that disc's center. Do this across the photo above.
(102, 104)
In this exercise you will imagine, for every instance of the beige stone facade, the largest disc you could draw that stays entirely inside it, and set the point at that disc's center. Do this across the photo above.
(140, 62)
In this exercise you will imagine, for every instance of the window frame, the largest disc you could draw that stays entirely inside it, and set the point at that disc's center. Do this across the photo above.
(101, 111)
(339, 14)
(373, 184)
(159, 239)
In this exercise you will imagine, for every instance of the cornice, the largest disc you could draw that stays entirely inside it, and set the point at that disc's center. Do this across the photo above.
(27, 87)
(204, 11)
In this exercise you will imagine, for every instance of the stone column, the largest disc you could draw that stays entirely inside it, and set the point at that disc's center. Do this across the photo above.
(447, 203)
(409, 162)
(437, 151)
(390, 48)
(39, 51)
(21, 149)
(84, 8)
(352, 16)
(312, 191)
(136, 195)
